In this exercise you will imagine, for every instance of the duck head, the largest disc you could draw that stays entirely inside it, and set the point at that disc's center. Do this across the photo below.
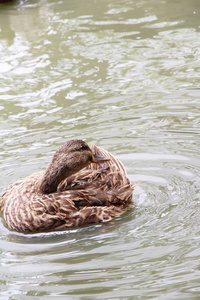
(71, 157)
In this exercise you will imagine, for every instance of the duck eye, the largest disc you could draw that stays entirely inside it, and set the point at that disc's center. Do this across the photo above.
(83, 147)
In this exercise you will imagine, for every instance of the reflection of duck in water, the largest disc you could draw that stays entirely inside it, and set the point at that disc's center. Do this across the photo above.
(80, 186)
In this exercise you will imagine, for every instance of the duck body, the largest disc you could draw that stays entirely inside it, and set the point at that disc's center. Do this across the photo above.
(84, 192)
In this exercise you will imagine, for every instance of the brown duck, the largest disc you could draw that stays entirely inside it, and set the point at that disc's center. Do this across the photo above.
(81, 185)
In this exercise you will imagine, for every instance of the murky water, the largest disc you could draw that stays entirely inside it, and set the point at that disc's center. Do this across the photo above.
(124, 75)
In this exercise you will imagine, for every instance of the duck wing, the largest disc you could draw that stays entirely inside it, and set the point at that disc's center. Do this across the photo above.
(99, 184)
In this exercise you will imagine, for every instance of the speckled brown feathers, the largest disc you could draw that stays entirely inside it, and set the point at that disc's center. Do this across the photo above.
(96, 193)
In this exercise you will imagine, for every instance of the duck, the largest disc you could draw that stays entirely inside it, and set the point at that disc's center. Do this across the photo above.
(81, 185)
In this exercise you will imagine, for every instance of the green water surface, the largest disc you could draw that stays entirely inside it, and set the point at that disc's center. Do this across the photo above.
(124, 75)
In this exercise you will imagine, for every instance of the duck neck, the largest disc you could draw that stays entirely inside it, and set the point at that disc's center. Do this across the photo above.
(50, 181)
(56, 172)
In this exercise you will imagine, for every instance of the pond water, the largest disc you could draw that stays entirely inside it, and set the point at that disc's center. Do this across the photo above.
(125, 76)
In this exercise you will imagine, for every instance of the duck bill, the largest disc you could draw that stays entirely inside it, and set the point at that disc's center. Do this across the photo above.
(99, 158)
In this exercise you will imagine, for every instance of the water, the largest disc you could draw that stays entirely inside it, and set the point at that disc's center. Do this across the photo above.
(123, 75)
